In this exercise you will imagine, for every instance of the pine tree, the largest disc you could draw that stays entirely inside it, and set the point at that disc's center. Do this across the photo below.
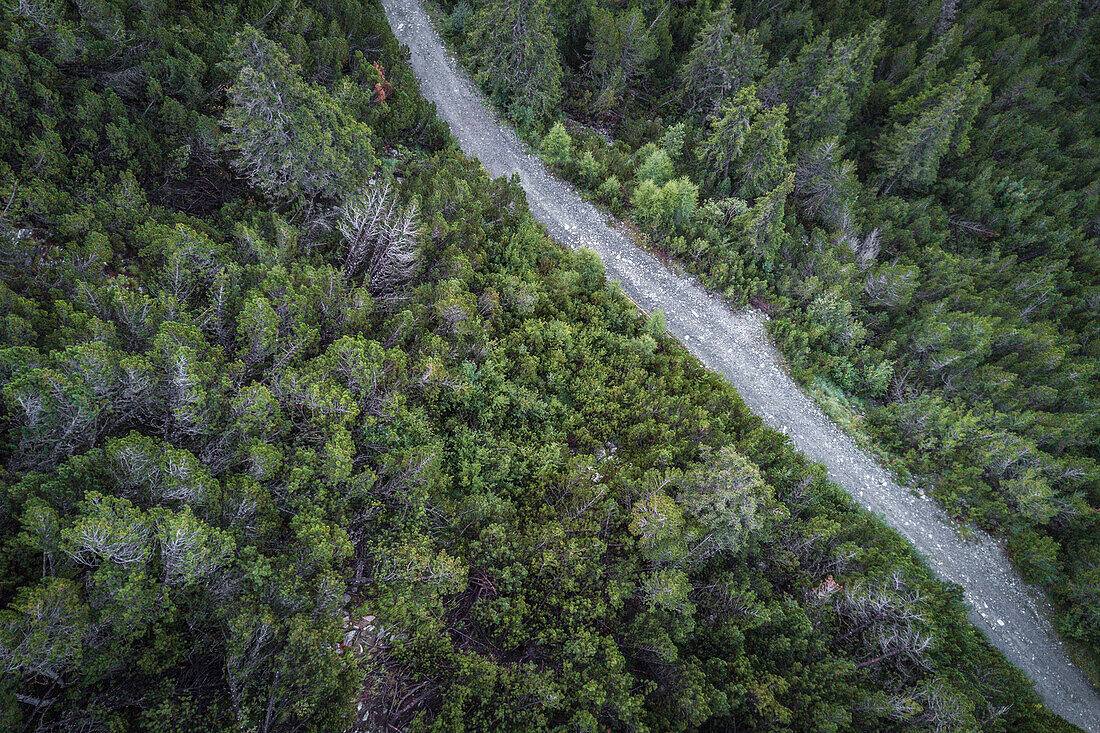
(557, 146)
(518, 57)
(829, 83)
(760, 228)
(763, 162)
(293, 140)
(656, 166)
(746, 149)
(721, 62)
(619, 52)
(928, 127)
(722, 147)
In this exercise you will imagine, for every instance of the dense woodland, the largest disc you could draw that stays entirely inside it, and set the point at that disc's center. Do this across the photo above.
(306, 426)
(911, 190)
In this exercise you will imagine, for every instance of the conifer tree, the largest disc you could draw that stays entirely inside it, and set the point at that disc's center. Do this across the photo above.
(518, 57)
(760, 228)
(763, 162)
(929, 126)
(721, 62)
(722, 147)
(293, 140)
(746, 150)
(557, 146)
(619, 52)
(828, 83)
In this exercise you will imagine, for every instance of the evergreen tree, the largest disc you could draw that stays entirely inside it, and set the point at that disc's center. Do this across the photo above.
(721, 62)
(293, 140)
(557, 146)
(518, 57)
(763, 161)
(722, 147)
(620, 49)
(746, 149)
(827, 84)
(929, 126)
(656, 165)
(760, 228)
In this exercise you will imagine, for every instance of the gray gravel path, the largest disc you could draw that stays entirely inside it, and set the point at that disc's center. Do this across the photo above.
(735, 345)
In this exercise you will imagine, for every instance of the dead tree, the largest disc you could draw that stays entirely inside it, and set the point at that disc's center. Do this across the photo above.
(379, 241)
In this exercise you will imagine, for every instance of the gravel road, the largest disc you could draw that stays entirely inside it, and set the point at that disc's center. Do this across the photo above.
(735, 345)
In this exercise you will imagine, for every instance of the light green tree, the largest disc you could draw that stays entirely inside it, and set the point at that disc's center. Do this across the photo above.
(725, 500)
(656, 165)
(658, 523)
(646, 202)
(557, 146)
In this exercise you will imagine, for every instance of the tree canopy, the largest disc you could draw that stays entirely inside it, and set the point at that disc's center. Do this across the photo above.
(910, 190)
(306, 424)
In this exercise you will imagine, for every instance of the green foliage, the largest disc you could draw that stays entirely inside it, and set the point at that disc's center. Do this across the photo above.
(557, 147)
(293, 140)
(647, 203)
(722, 62)
(673, 139)
(391, 443)
(524, 71)
(610, 191)
(746, 149)
(621, 48)
(677, 202)
(656, 166)
(590, 169)
(928, 126)
(827, 84)
(933, 257)
(832, 313)
(658, 523)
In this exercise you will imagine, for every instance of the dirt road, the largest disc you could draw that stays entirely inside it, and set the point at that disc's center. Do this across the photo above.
(735, 345)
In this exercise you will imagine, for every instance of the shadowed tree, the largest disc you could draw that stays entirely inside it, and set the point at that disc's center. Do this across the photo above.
(721, 62)
(518, 57)
(293, 140)
(619, 52)
(746, 149)
(927, 127)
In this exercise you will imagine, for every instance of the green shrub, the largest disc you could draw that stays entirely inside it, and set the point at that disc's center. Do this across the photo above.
(557, 147)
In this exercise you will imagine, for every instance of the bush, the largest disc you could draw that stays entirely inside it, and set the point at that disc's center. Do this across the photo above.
(647, 204)
(656, 167)
(590, 169)
(557, 146)
(610, 192)
(678, 200)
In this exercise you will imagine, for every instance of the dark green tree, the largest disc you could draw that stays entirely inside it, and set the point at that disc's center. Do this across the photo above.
(518, 57)
(928, 127)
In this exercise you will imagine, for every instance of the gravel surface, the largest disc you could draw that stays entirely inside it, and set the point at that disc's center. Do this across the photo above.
(735, 345)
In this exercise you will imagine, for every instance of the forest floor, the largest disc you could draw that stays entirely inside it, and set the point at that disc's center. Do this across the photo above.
(735, 345)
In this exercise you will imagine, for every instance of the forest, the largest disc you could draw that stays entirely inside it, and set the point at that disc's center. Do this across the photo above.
(306, 424)
(910, 190)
